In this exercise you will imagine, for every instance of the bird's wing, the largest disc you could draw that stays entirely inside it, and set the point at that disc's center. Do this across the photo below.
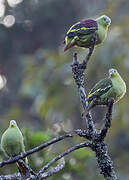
(100, 88)
(84, 27)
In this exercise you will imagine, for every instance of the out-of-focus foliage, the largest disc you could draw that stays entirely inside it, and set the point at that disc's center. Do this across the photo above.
(37, 89)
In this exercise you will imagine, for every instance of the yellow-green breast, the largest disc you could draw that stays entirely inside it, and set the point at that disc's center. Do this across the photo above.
(101, 34)
(119, 87)
(12, 142)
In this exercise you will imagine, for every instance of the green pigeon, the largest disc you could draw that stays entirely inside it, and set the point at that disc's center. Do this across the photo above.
(82, 34)
(12, 142)
(111, 87)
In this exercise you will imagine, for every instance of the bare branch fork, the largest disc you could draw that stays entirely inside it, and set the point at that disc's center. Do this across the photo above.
(96, 138)
(30, 173)
(41, 174)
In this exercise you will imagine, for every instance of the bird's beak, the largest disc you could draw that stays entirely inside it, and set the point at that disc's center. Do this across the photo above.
(12, 122)
(111, 71)
(108, 20)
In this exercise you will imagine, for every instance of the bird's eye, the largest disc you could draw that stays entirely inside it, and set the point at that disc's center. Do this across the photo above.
(104, 19)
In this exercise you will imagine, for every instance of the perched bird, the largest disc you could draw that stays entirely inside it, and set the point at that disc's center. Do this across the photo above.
(12, 143)
(110, 87)
(87, 33)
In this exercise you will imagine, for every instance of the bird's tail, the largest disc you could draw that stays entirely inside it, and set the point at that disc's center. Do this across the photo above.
(89, 105)
(85, 112)
(21, 167)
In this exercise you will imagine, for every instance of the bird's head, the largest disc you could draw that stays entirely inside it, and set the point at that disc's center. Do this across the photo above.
(13, 124)
(104, 20)
(113, 73)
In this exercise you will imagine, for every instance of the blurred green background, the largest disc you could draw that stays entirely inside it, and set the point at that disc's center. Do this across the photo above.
(37, 89)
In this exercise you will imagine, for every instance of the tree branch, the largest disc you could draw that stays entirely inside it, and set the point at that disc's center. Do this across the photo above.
(78, 146)
(78, 70)
(54, 170)
(107, 120)
(45, 175)
(96, 138)
(36, 149)
(16, 176)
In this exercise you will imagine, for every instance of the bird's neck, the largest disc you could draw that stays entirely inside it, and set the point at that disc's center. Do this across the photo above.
(102, 33)
(104, 25)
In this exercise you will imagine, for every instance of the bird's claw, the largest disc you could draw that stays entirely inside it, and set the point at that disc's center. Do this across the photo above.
(83, 115)
(75, 61)
(75, 57)
(111, 101)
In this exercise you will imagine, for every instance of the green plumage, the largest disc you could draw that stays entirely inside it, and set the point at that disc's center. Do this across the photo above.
(12, 140)
(81, 33)
(111, 87)
(12, 143)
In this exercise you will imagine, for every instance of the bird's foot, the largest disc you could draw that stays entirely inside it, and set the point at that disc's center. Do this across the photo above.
(111, 101)
(84, 113)
(75, 63)
(75, 60)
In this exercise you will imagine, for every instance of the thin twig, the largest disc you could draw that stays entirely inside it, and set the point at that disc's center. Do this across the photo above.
(85, 62)
(45, 175)
(53, 170)
(78, 146)
(107, 120)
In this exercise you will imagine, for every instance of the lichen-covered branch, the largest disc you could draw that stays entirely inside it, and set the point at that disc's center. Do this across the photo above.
(52, 171)
(96, 137)
(16, 176)
(78, 70)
